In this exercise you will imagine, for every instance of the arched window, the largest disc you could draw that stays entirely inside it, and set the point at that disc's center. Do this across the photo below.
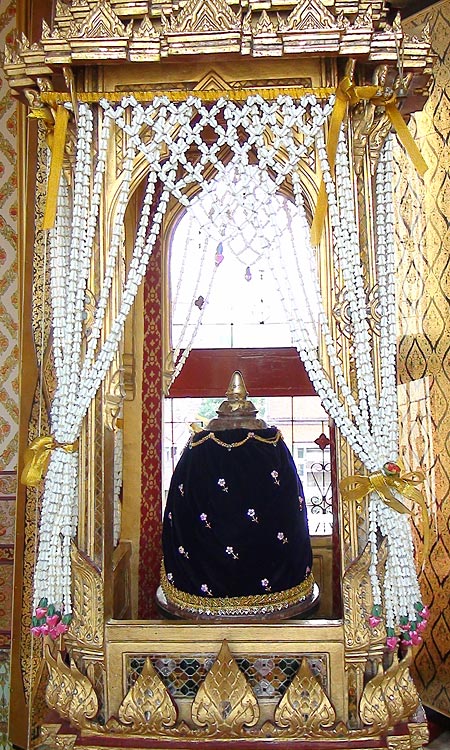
(237, 278)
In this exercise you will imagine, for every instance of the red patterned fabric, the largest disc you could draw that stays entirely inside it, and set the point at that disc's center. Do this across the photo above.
(151, 478)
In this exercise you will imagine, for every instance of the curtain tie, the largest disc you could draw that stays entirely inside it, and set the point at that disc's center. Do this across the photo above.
(37, 456)
(357, 486)
(349, 94)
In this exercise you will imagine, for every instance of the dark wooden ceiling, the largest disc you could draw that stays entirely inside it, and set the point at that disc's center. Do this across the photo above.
(409, 8)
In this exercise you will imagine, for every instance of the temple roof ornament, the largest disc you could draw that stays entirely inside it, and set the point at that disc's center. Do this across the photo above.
(84, 32)
(310, 15)
(205, 16)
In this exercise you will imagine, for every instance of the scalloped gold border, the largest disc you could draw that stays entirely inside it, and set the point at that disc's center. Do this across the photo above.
(236, 605)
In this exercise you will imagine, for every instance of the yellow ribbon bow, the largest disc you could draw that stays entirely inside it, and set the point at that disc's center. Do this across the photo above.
(349, 94)
(37, 456)
(357, 486)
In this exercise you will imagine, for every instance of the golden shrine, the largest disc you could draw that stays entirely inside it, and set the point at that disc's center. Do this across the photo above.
(99, 682)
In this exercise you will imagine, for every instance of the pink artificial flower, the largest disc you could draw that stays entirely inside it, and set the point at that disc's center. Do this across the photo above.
(44, 629)
(425, 613)
(374, 621)
(52, 621)
(421, 626)
(406, 627)
(41, 612)
(36, 630)
(406, 642)
(416, 639)
(392, 642)
(61, 628)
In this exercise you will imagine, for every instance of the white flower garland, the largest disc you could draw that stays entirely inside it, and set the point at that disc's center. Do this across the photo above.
(369, 422)
(118, 477)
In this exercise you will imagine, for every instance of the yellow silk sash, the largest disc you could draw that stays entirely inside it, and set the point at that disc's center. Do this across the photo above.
(348, 94)
(37, 456)
(58, 143)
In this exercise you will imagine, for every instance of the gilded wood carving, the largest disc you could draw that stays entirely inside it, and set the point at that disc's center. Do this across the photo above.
(148, 707)
(390, 696)
(84, 33)
(225, 702)
(305, 708)
(357, 605)
(81, 31)
(69, 692)
(87, 623)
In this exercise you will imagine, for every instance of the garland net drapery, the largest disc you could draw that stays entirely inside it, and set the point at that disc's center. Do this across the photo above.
(239, 216)
(280, 134)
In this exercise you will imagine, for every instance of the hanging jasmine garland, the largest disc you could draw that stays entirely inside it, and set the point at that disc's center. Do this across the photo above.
(279, 134)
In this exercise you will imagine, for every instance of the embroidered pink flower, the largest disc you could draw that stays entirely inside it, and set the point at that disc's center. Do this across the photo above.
(230, 551)
(205, 590)
(204, 519)
(274, 475)
(282, 538)
(252, 514)
(265, 584)
(181, 489)
(183, 552)
(222, 484)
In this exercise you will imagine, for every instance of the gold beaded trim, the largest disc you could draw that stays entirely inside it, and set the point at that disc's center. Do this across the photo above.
(250, 436)
(236, 605)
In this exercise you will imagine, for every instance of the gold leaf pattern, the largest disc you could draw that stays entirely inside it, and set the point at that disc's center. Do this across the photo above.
(372, 708)
(69, 692)
(87, 620)
(50, 737)
(148, 705)
(305, 707)
(390, 697)
(225, 702)
(357, 604)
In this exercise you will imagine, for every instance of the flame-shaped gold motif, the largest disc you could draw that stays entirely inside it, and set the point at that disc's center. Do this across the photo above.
(390, 697)
(69, 691)
(225, 702)
(305, 706)
(148, 705)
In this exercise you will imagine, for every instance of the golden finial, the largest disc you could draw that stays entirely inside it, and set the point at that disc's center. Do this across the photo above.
(236, 390)
(236, 411)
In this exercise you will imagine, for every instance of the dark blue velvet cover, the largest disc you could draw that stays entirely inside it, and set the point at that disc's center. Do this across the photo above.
(235, 522)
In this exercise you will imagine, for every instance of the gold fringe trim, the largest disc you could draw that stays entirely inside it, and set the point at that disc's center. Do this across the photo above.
(250, 436)
(236, 605)
(207, 95)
